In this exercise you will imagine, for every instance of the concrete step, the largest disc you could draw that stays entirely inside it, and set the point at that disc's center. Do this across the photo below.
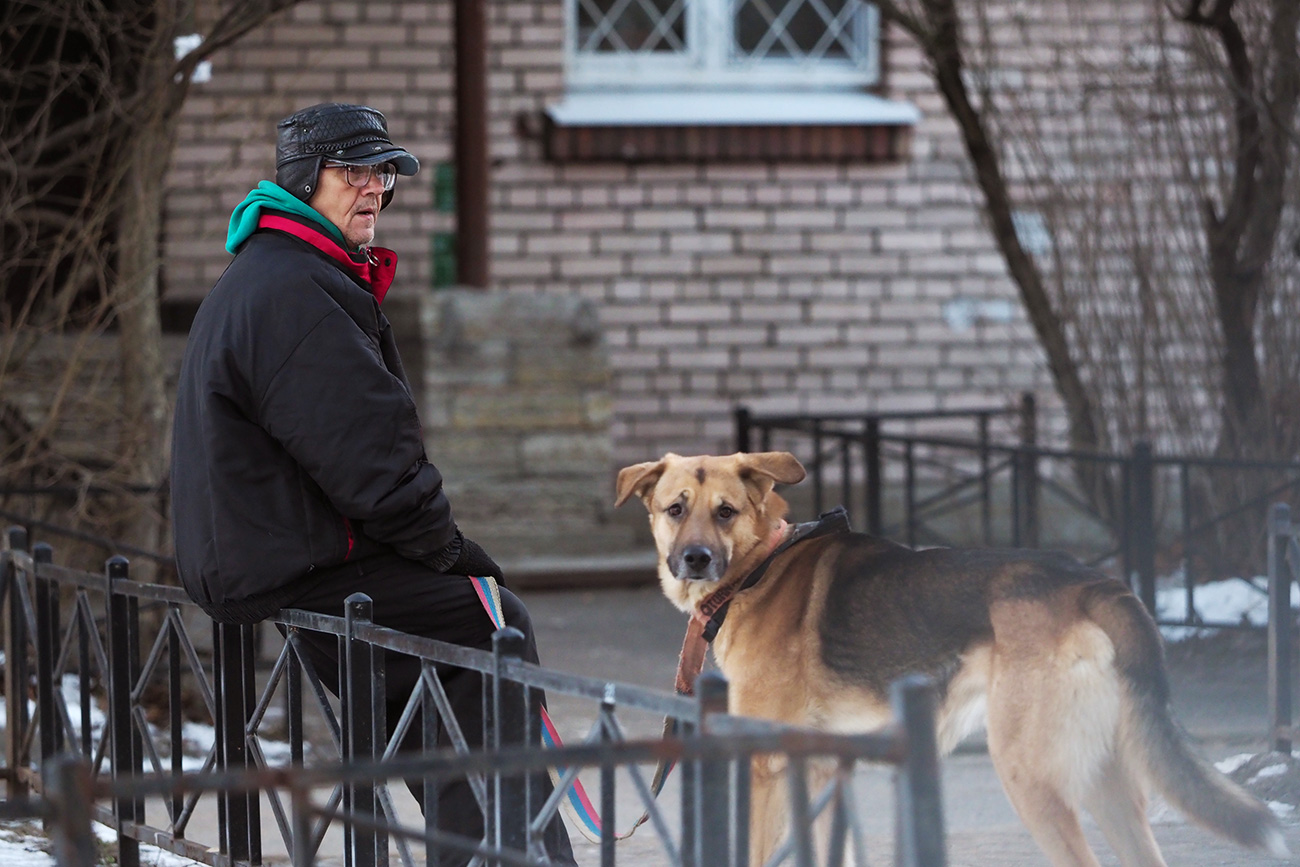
(596, 571)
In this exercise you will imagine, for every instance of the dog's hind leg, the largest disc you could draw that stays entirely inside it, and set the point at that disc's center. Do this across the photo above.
(1119, 806)
(1042, 753)
(1038, 798)
(1052, 821)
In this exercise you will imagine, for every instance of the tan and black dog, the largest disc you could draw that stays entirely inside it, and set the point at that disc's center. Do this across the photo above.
(1062, 664)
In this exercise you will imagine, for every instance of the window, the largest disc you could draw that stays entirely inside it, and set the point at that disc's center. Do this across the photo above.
(747, 44)
(724, 80)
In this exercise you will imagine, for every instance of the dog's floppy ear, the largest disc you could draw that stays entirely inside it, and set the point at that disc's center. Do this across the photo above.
(762, 470)
(638, 479)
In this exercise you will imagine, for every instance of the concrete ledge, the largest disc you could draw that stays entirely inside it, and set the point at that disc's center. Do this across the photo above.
(594, 572)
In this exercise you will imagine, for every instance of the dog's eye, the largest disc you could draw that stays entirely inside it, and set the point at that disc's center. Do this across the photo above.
(675, 510)
(726, 512)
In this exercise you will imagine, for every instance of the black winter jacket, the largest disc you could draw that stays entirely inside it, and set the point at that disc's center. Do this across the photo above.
(296, 444)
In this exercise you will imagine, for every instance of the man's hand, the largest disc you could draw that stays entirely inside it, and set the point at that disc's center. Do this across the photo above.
(473, 560)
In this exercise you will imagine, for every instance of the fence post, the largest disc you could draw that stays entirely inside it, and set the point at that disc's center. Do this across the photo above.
(608, 802)
(1142, 524)
(713, 796)
(918, 828)
(744, 424)
(123, 663)
(909, 496)
(688, 770)
(1028, 455)
(248, 681)
(237, 815)
(1279, 628)
(359, 741)
(818, 468)
(875, 478)
(68, 788)
(986, 493)
(47, 651)
(16, 675)
(511, 715)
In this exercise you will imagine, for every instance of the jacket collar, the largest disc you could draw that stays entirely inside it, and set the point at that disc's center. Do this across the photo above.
(375, 267)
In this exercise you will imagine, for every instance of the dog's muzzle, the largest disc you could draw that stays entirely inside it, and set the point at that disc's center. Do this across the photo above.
(697, 563)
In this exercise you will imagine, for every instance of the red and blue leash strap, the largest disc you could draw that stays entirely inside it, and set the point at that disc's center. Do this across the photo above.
(579, 805)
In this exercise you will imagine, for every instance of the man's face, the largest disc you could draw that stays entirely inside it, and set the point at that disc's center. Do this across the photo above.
(353, 209)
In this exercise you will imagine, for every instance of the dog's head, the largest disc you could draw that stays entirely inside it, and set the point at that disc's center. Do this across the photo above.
(711, 515)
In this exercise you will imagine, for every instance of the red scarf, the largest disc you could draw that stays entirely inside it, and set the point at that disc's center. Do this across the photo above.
(377, 271)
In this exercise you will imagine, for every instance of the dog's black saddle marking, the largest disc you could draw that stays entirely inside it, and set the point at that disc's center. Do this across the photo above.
(828, 523)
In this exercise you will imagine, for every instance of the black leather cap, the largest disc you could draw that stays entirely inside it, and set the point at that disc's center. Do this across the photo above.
(332, 130)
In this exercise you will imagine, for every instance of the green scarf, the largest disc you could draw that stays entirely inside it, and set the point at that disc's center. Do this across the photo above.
(243, 221)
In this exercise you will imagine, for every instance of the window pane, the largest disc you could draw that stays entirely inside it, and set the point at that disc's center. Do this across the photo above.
(631, 26)
(797, 29)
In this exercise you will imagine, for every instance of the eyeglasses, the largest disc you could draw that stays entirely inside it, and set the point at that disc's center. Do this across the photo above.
(359, 176)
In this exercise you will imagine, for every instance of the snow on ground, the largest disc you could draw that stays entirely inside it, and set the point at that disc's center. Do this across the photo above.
(1231, 601)
(24, 844)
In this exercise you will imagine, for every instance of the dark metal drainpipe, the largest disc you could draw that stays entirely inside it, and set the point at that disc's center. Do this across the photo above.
(471, 144)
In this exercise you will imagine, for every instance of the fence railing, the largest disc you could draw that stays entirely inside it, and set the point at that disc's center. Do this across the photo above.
(1009, 485)
(1283, 574)
(131, 772)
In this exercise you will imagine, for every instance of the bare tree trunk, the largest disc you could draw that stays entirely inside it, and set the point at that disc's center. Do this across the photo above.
(938, 31)
(90, 94)
(1241, 233)
(144, 434)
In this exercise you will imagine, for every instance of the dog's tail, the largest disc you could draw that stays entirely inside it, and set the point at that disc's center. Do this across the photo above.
(1187, 781)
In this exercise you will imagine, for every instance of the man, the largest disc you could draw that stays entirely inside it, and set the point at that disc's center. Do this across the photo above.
(299, 473)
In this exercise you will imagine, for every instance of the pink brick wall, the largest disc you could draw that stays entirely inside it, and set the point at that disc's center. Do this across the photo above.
(779, 286)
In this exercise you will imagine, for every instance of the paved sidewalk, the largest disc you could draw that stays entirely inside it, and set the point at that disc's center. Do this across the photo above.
(1219, 691)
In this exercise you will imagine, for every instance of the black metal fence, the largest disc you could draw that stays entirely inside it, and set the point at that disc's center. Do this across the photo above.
(130, 773)
(1283, 575)
(986, 475)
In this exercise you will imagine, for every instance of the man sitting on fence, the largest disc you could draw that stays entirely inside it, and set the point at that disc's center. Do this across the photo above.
(299, 473)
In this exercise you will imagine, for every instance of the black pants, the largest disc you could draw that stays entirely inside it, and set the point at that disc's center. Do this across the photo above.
(417, 600)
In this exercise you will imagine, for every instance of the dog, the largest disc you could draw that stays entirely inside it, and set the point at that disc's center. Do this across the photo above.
(1061, 665)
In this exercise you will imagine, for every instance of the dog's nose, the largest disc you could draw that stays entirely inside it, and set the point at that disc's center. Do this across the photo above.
(697, 558)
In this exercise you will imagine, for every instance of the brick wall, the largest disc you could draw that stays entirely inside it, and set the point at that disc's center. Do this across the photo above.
(780, 286)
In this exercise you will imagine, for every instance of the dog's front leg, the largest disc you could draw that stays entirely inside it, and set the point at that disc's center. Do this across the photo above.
(769, 808)
(770, 812)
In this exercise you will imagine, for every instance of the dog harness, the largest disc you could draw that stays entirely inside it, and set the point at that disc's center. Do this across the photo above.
(834, 521)
(709, 616)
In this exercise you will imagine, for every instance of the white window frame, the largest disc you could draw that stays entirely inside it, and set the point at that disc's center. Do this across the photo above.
(709, 63)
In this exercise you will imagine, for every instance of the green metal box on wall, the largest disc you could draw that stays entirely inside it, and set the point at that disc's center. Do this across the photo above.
(444, 259)
(444, 243)
(444, 188)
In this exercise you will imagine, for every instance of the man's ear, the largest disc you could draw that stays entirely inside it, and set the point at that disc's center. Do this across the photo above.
(761, 471)
(639, 479)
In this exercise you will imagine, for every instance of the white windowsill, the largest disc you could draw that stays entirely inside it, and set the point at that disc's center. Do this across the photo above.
(730, 108)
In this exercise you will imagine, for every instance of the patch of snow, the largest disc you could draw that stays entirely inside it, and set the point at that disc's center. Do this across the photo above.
(1231, 763)
(151, 856)
(1229, 601)
(1271, 771)
(1281, 810)
(18, 848)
